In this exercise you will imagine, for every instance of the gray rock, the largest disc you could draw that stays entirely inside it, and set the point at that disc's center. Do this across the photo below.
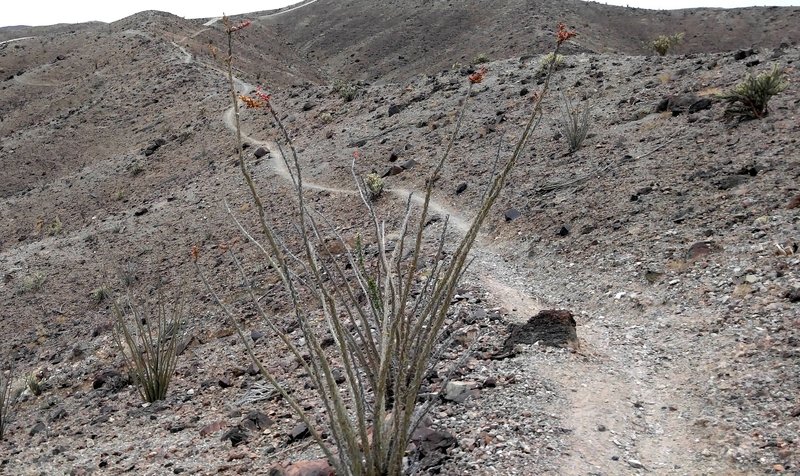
(299, 432)
(393, 170)
(408, 164)
(459, 391)
(512, 214)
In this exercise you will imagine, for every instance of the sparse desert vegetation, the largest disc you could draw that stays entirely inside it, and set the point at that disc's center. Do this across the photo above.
(628, 304)
(751, 97)
(662, 44)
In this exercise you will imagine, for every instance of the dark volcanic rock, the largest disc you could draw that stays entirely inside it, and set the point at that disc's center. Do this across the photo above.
(393, 170)
(700, 249)
(237, 435)
(550, 327)
(394, 109)
(432, 447)
(260, 152)
(154, 146)
(742, 54)
(299, 432)
(683, 103)
(512, 214)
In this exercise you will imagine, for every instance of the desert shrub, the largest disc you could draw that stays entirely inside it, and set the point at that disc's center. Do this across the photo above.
(100, 294)
(128, 274)
(552, 59)
(147, 337)
(750, 97)
(6, 401)
(663, 43)
(135, 169)
(374, 185)
(366, 313)
(33, 282)
(345, 89)
(481, 58)
(574, 124)
(34, 382)
(55, 227)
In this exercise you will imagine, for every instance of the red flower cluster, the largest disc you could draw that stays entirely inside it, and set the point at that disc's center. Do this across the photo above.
(241, 25)
(477, 76)
(563, 34)
(262, 95)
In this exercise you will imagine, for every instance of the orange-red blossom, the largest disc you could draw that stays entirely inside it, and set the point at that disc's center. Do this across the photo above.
(563, 34)
(241, 25)
(250, 103)
(477, 76)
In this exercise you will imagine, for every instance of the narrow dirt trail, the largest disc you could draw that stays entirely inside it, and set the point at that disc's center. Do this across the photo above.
(615, 392)
(271, 15)
(606, 385)
(16, 39)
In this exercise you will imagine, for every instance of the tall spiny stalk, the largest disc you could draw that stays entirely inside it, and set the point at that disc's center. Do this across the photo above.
(385, 325)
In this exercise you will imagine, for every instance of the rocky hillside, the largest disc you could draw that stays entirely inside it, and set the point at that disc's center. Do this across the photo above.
(671, 236)
(396, 39)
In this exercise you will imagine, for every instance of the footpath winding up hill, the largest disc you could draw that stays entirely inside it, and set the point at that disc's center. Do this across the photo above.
(671, 235)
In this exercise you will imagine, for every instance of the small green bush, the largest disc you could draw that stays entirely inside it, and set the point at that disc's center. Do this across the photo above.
(55, 228)
(374, 184)
(749, 99)
(34, 382)
(480, 59)
(150, 345)
(346, 90)
(663, 43)
(135, 169)
(33, 282)
(100, 294)
(550, 58)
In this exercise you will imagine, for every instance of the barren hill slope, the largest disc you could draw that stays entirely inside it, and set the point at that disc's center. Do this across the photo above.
(671, 235)
(367, 39)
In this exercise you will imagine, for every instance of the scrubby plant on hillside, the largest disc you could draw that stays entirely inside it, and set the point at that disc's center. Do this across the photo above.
(345, 89)
(33, 282)
(663, 43)
(550, 61)
(147, 337)
(481, 58)
(750, 97)
(373, 183)
(368, 314)
(574, 124)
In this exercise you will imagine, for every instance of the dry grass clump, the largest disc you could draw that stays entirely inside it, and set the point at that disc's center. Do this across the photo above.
(574, 124)
(147, 337)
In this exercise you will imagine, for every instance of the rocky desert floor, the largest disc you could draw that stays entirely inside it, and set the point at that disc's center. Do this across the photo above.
(671, 236)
